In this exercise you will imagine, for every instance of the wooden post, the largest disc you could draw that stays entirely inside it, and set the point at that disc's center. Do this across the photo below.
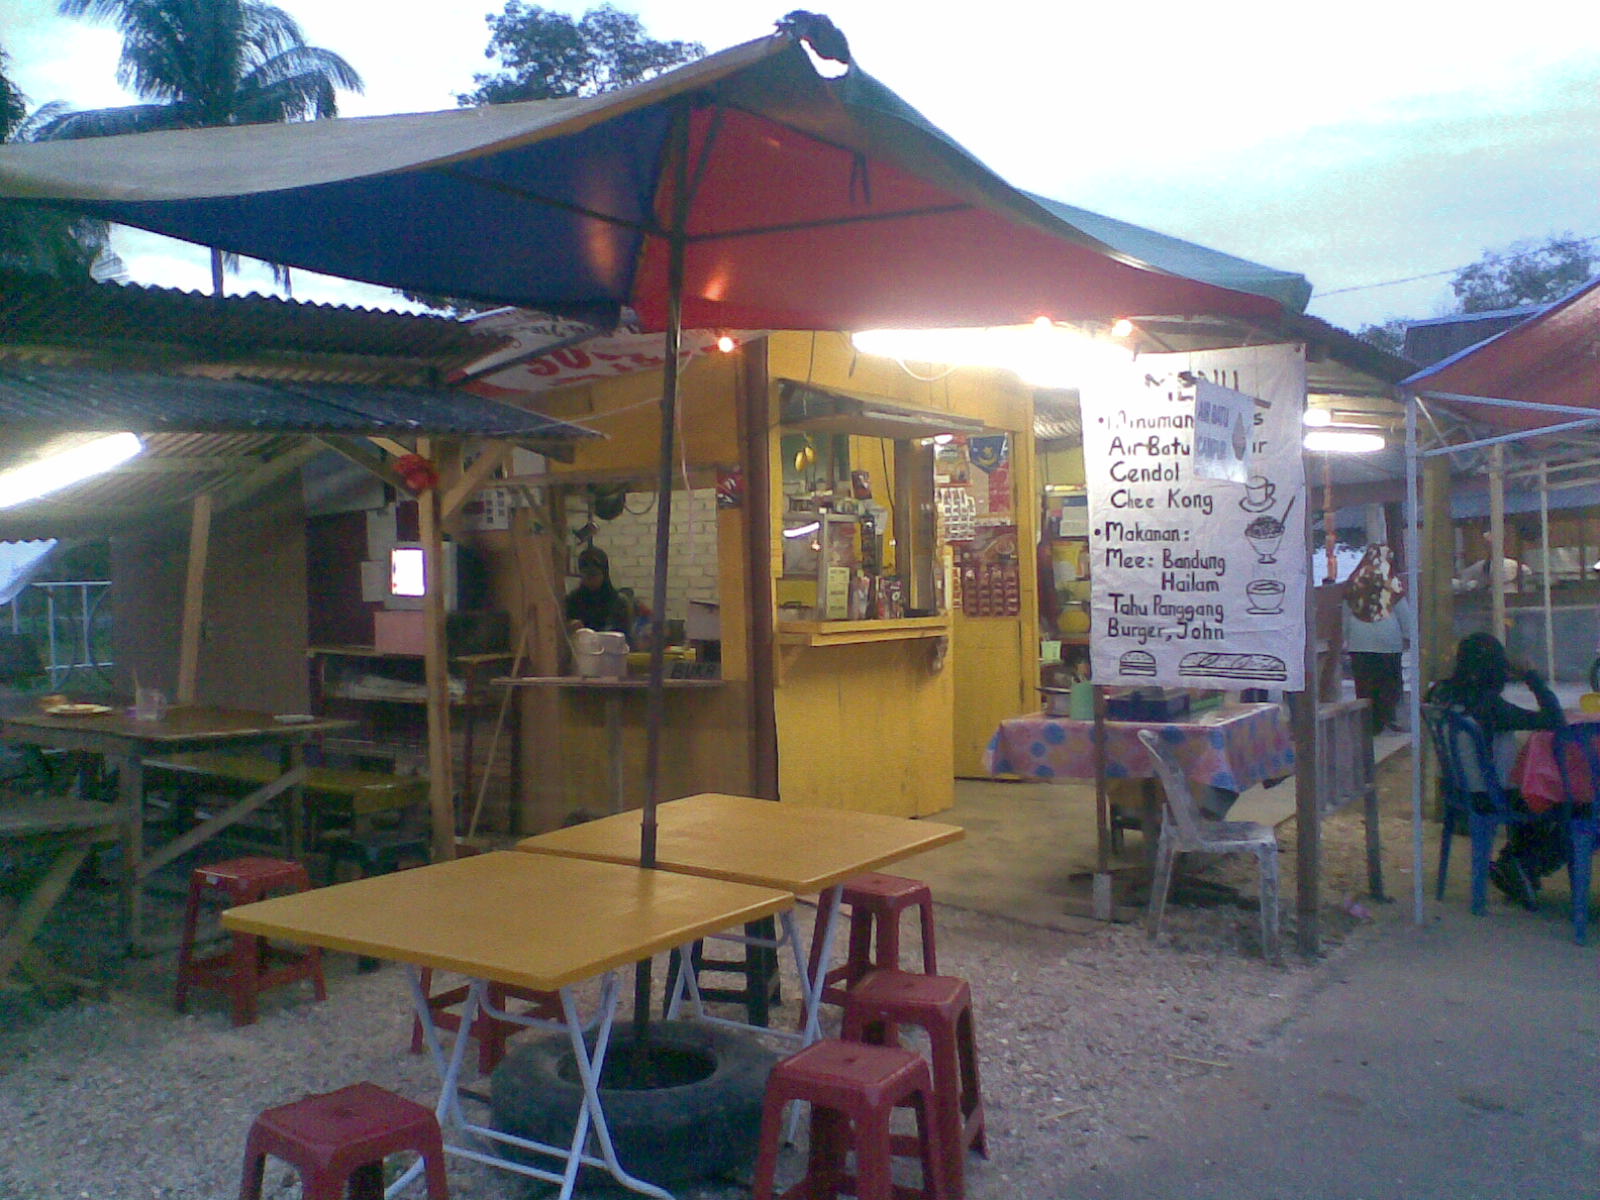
(436, 669)
(1102, 899)
(1436, 618)
(756, 459)
(194, 596)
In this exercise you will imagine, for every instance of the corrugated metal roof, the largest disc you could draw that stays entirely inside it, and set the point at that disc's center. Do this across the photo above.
(133, 322)
(83, 399)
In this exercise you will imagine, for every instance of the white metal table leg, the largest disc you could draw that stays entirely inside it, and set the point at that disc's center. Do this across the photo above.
(591, 1117)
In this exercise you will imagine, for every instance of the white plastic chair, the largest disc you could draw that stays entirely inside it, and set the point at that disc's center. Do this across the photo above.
(1185, 831)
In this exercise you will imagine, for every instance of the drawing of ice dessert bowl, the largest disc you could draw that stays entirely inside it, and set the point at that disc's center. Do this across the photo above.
(1264, 596)
(1264, 534)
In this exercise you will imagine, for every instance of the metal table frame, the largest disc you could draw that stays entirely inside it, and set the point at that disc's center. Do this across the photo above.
(417, 917)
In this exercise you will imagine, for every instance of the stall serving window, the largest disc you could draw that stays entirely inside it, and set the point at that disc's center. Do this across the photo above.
(860, 520)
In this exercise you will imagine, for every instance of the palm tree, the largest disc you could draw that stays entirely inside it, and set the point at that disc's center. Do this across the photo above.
(33, 238)
(207, 62)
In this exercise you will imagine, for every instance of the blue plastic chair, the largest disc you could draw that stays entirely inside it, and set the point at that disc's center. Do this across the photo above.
(1455, 735)
(1583, 814)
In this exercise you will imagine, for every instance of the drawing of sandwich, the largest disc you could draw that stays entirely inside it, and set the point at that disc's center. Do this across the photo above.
(1224, 665)
(1137, 662)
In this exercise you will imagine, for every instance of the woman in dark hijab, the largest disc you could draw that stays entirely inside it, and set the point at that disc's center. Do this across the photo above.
(595, 604)
(1535, 848)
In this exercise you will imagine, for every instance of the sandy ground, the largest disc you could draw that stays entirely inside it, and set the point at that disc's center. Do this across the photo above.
(1091, 1042)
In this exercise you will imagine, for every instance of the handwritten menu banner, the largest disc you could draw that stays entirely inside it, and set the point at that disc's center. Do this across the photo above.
(1197, 582)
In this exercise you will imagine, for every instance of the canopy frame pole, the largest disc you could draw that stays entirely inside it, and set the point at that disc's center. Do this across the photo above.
(1414, 653)
(1571, 410)
(1544, 554)
(1497, 541)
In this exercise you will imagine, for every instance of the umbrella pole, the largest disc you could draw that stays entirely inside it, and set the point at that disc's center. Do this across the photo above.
(655, 694)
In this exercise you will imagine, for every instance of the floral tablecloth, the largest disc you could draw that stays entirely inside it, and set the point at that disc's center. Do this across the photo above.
(1233, 747)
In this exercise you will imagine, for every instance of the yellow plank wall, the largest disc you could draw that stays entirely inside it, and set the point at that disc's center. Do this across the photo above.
(872, 727)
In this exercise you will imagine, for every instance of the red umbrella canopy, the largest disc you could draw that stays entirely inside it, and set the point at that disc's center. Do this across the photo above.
(1551, 358)
(801, 202)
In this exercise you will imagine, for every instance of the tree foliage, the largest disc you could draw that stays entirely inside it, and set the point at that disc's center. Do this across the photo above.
(545, 55)
(1524, 273)
(208, 62)
(1389, 335)
(200, 63)
(35, 238)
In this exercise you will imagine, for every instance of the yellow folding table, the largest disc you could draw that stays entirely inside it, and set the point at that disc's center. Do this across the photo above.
(540, 921)
(799, 848)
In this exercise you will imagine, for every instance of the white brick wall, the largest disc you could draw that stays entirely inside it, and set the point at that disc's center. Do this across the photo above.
(630, 543)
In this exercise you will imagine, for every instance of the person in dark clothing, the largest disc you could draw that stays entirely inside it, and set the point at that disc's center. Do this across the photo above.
(595, 604)
(1535, 848)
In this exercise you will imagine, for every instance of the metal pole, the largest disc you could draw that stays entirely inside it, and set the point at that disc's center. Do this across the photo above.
(655, 694)
(1544, 540)
(1497, 540)
(1414, 701)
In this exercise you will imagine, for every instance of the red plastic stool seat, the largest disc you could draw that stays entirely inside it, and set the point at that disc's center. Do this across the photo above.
(852, 1089)
(876, 902)
(491, 1033)
(251, 964)
(941, 1005)
(341, 1138)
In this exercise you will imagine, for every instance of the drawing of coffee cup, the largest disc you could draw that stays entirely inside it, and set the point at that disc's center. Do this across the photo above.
(1264, 596)
(1264, 534)
(1258, 494)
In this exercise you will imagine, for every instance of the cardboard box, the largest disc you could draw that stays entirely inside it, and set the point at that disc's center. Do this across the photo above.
(704, 623)
(399, 632)
(405, 632)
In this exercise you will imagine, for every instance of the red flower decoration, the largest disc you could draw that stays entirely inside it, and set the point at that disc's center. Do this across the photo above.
(417, 472)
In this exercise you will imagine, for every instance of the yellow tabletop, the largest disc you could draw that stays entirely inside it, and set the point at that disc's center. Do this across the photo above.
(799, 848)
(530, 919)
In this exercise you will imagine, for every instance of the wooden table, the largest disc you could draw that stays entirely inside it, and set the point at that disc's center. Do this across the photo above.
(126, 743)
(799, 848)
(541, 921)
(613, 690)
(66, 830)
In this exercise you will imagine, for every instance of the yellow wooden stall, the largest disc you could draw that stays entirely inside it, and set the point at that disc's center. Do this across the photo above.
(876, 716)
(884, 716)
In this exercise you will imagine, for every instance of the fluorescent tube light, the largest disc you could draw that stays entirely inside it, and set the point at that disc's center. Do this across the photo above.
(66, 467)
(1332, 440)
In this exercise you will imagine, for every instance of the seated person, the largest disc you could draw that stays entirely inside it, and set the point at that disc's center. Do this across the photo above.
(1482, 670)
(595, 604)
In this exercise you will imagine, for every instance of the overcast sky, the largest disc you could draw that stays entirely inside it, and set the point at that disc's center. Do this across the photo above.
(1357, 143)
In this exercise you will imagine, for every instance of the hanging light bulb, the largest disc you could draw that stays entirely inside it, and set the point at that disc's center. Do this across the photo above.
(726, 344)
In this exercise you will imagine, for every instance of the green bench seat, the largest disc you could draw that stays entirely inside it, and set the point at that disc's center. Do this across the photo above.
(335, 793)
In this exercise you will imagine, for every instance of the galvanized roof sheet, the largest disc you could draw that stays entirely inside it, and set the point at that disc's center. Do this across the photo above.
(131, 320)
(87, 399)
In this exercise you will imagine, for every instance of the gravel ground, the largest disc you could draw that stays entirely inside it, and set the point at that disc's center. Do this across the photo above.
(1087, 1040)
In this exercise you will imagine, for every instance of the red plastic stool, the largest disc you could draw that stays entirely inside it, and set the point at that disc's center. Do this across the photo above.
(874, 900)
(853, 1089)
(491, 1033)
(941, 1004)
(251, 965)
(342, 1138)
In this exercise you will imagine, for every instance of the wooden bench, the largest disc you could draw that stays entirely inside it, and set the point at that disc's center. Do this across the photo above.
(333, 795)
(64, 831)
